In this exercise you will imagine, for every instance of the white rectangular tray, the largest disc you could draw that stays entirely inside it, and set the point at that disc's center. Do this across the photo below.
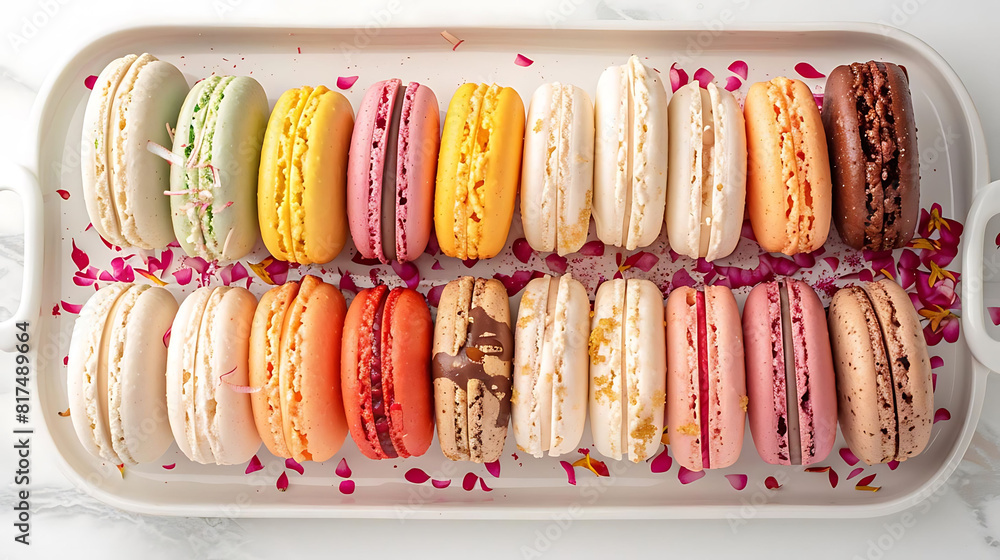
(953, 165)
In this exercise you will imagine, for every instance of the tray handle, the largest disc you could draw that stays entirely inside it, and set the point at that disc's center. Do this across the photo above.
(19, 180)
(984, 347)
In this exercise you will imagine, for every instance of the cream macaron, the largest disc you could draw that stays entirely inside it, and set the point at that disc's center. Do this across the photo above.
(630, 151)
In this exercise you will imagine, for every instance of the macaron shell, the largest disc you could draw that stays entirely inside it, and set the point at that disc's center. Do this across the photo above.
(311, 406)
(727, 390)
(182, 355)
(265, 364)
(357, 339)
(408, 330)
(453, 169)
(765, 373)
(531, 386)
(232, 433)
(607, 411)
(730, 162)
(90, 424)
(318, 225)
(274, 176)
(683, 419)
(370, 130)
(814, 347)
(95, 150)
(686, 169)
(141, 419)
(419, 140)
(147, 101)
(645, 367)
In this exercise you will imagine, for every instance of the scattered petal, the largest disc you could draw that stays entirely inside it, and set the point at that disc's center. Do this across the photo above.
(522, 250)
(570, 472)
(936, 362)
(739, 68)
(440, 484)
(254, 465)
(832, 262)
(408, 273)
(818, 98)
(678, 77)
(994, 314)
(434, 295)
(733, 83)
(342, 470)
(469, 482)
(64, 414)
(89, 81)
(63, 193)
(523, 61)
(933, 382)
(347, 283)
(70, 307)
(661, 463)
(347, 486)
(806, 70)
(848, 456)
(517, 281)
(282, 483)
(771, 483)
(941, 414)
(455, 41)
(493, 468)
(856, 472)
(868, 488)
(593, 248)
(149, 276)
(345, 82)
(866, 480)
(737, 481)
(832, 474)
(170, 467)
(166, 337)
(687, 476)
(556, 263)
(642, 260)
(892, 465)
(703, 77)
(592, 465)
(55, 310)
(294, 465)
(483, 486)
(437, 265)
(183, 276)
(80, 258)
(469, 263)
(121, 469)
(416, 476)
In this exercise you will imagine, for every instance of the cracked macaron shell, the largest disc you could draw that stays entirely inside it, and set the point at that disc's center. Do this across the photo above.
(405, 348)
(557, 170)
(302, 183)
(265, 364)
(789, 192)
(478, 170)
(551, 364)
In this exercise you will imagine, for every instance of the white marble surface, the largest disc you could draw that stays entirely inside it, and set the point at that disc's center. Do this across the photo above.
(964, 518)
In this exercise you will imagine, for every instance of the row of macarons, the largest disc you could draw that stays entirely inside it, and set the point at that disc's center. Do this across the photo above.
(209, 167)
(299, 370)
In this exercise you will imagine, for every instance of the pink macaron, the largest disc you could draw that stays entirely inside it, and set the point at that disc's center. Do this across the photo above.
(790, 377)
(706, 383)
(391, 170)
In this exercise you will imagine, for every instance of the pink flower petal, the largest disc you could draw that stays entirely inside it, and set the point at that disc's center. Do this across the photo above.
(294, 465)
(771, 483)
(933, 382)
(806, 70)
(437, 265)
(818, 98)
(893, 465)
(347, 487)
(522, 250)
(832, 262)
(170, 467)
(493, 467)
(89, 81)
(733, 83)
(994, 314)
(866, 481)
(55, 310)
(688, 476)
(278, 271)
(642, 260)
(737, 481)
(998, 240)
(517, 281)
(556, 263)
(523, 61)
(408, 272)
(941, 414)
(345, 82)
(661, 463)
(469, 482)
(469, 263)
(483, 486)
(347, 283)
(254, 465)
(80, 258)
(739, 68)
(356, 258)
(282, 483)
(440, 484)
(434, 295)
(593, 248)
(678, 77)
(166, 337)
(63, 193)
(416, 476)
(183, 276)
(703, 77)
(71, 307)
(570, 473)
(855, 473)
(343, 470)
(682, 278)
(848, 456)
(936, 362)
(833, 478)
(433, 247)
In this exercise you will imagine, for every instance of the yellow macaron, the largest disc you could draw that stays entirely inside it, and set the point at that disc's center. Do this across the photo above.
(301, 191)
(478, 170)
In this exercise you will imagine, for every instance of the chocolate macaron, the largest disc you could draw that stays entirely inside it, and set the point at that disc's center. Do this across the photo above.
(872, 138)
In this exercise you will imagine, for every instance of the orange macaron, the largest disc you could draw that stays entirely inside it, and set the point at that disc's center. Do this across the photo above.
(295, 343)
(386, 375)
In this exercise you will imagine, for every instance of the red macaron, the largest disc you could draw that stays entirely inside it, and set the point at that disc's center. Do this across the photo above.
(385, 373)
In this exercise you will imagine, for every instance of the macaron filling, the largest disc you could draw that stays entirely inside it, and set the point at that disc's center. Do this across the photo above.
(703, 382)
(381, 400)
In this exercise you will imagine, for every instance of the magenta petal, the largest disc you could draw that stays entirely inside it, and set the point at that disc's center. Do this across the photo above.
(343, 470)
(469, 263)
(358, 258)
(166, 337)
(80, 258)
(833, 263)
(294, 465)
(738, 481)
(71, 307)
(833, 478)
(688, 476)
(866, 481)
(733, 83)
(347, 486)
(523, 61)
(469, 482)
(570, 473)
(848, 456)
(703, 77)
(434, 295)
(170, 467)
(893, 465)
(661, 463)
(678, 77)
(592, 248)
(416, 476)
(433, 247)
(347, 283)
(771, 483)
(556, 263)
(682, 278)
(994, 314)
(998, 240)
(254, 465)
(89, 81)
(278, 271)
(183, 276)
(408, 272)
(493, 467)
(739, 68)
(933, 382)
(806, 70)
(936, 362)
(855, 473)
(437, 265)
(941, 414)
(440, 484)
(517, 281)
(643, 260)
(522, 250)
(345, 82)
(483, 486)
